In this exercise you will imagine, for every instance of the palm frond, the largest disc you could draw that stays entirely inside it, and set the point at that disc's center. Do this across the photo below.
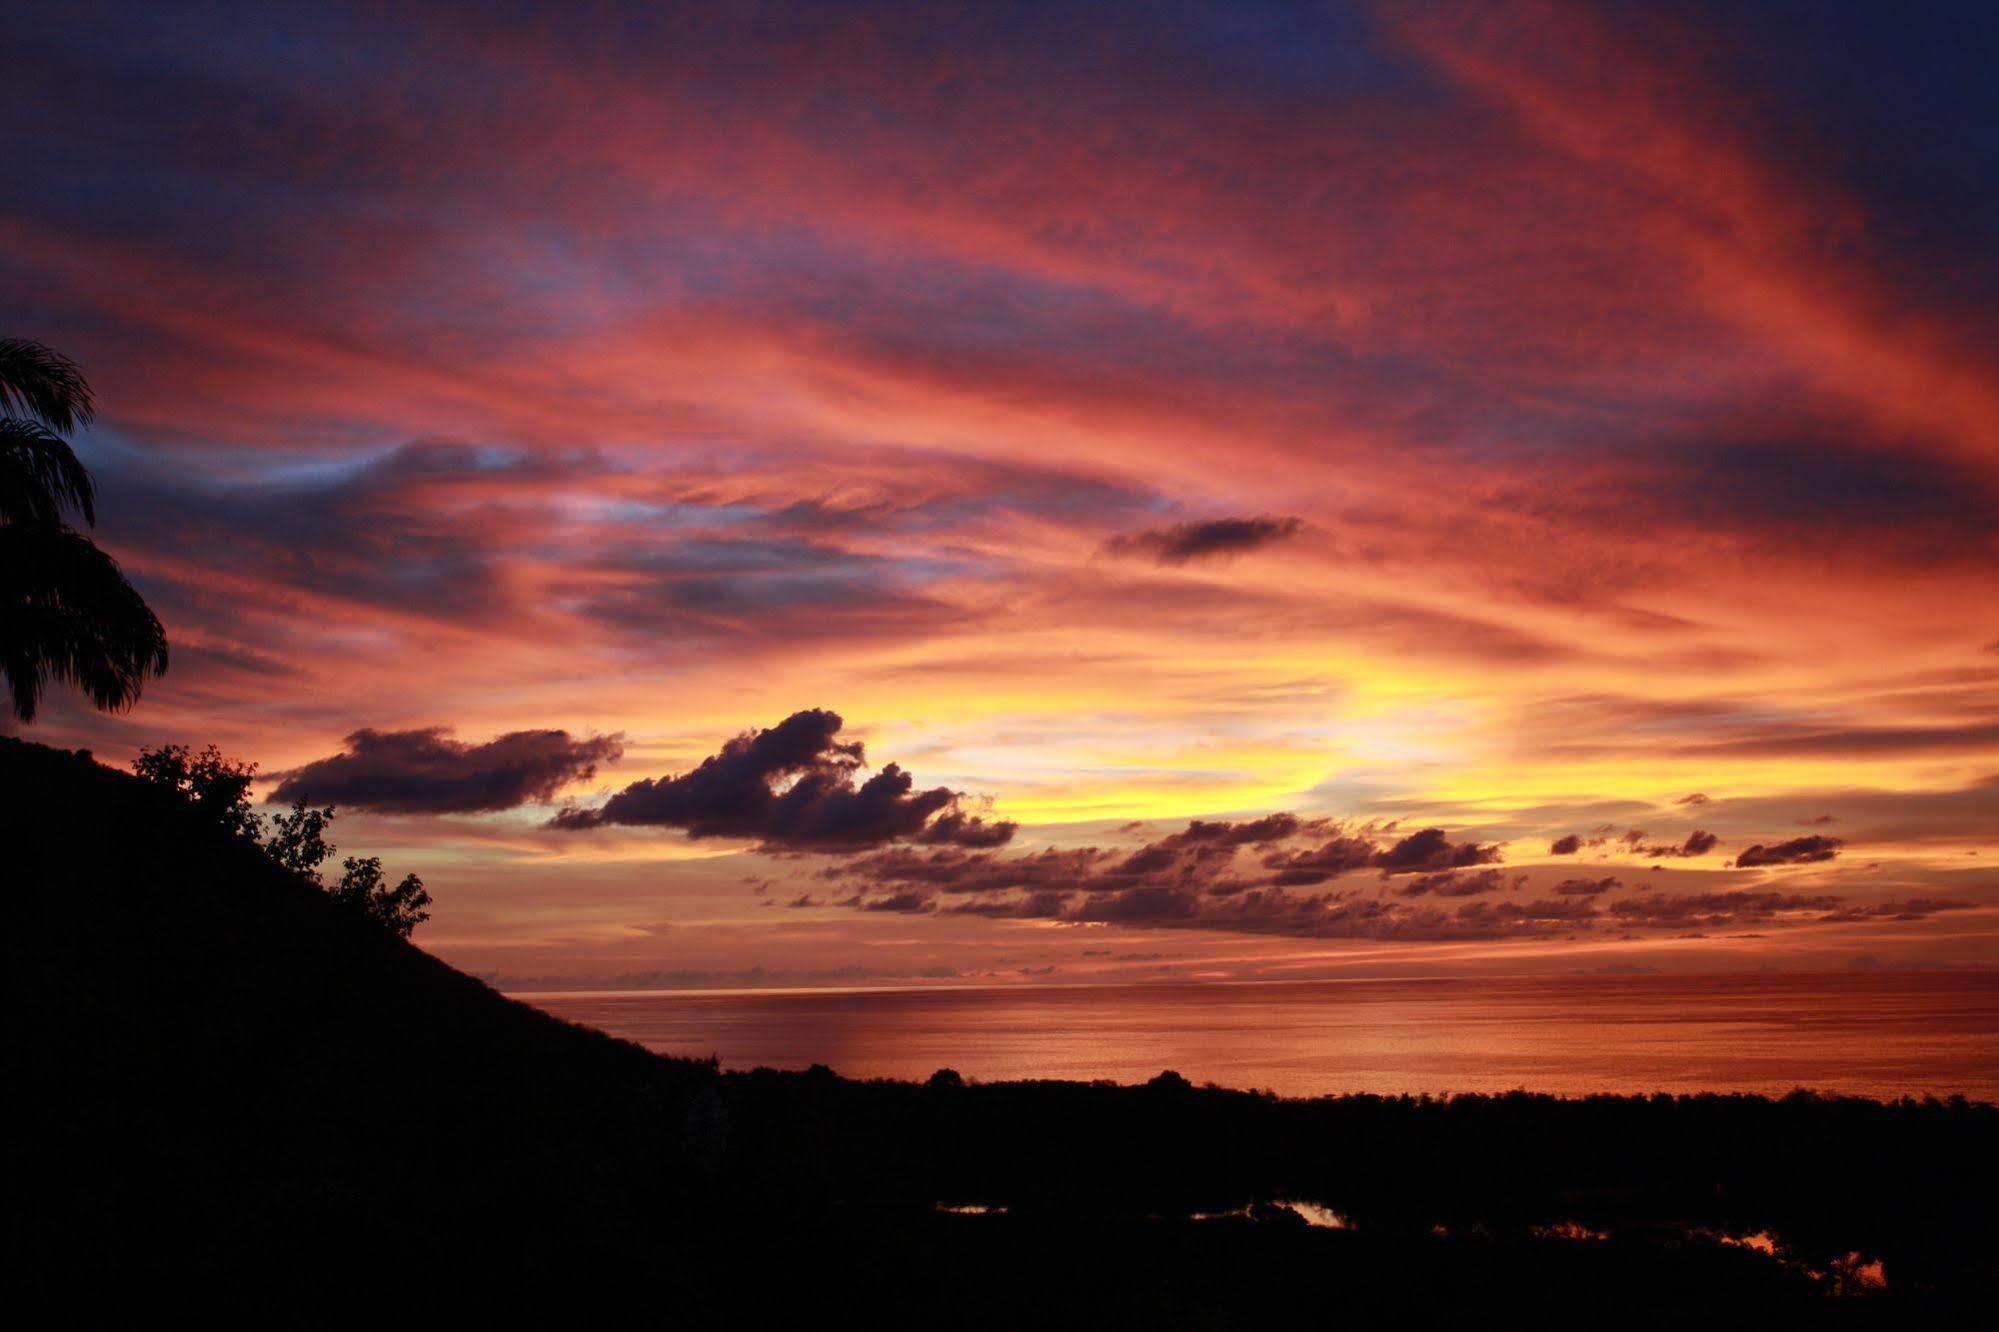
(45, 384)
(40, 475)
(67, 614)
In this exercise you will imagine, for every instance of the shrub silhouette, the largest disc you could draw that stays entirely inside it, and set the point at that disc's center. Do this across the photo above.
(361, 887)
(218, 790)
(228, 1093)
(298, 842)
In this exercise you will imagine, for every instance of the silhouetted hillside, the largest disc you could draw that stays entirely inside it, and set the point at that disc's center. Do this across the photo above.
(223, 1077)
(231, 1097)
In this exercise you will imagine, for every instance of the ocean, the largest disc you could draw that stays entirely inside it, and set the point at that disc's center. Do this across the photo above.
(1878, 1033)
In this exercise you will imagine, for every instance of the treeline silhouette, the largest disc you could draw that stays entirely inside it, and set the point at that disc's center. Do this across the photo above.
(217, 791)
(234, 1098)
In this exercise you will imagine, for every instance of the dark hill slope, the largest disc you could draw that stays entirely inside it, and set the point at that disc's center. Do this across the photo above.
(230, 1099)
(226, 1085)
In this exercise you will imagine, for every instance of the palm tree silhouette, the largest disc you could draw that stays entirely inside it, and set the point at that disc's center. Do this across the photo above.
(66, 612)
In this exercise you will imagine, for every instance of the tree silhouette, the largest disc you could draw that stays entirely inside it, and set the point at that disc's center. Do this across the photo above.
(298, 842)
(66, 612)
(298, 839)
(218, 789)
(362, 886)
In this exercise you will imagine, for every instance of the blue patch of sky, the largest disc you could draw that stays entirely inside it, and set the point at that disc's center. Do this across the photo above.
(1297, 45)
(274, 44)
(112, 452)
(669, 515)
(757, 556)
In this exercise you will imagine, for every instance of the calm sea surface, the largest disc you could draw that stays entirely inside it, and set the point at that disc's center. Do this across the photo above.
(1874, 1034)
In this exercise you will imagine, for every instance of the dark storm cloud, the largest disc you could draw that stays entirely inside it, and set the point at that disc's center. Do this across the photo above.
(1915, 908)
(1431, 850)
(1717, 909)
(1634, 841)
(1544, 912)
(1458, 883)
(792, 786)
(1149, 904)
(1797, 851)
(1185, 542)
(1587, 887)
(1316, 864)
(957, 828)
(425, 771)
(1698, 843)
(1270, 828)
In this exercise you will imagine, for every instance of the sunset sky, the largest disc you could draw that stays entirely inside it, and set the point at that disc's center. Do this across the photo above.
(1524, 477)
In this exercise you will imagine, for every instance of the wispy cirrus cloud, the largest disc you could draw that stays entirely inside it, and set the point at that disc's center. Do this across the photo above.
(1472, 405)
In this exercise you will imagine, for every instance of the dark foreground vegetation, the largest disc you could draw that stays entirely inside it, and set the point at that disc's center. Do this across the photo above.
(232, 1099)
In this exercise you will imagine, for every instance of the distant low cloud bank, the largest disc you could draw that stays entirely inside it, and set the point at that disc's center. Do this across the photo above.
(1212, 874)
(793, 787)
(1325, 878)
(425, 771)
